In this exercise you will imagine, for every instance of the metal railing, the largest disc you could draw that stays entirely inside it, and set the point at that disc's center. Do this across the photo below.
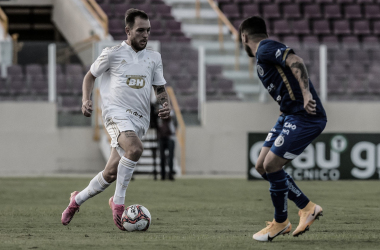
(222, 19)
(4, 22)
(97, 12)
(63, 54)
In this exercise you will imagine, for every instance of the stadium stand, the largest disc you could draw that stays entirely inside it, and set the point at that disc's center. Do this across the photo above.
(350, 29)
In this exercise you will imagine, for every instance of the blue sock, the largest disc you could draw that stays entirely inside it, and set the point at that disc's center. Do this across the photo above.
(279, 189)
(295, 193)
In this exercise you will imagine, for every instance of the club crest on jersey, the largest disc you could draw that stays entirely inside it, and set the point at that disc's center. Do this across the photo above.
(279, 141)
(136, 81)
(260, 70)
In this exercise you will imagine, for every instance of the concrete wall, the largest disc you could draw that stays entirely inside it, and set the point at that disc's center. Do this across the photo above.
(220, 146)
(32, 145)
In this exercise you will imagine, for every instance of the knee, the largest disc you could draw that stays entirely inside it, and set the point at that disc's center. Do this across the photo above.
(134, 153)
(110, 175)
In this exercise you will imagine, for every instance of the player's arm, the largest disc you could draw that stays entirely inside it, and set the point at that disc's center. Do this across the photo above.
(298, 68)
(88, 85)
(162, 99)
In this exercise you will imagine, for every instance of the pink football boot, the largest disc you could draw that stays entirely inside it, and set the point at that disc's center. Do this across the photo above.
(117, 213)
(69, 212)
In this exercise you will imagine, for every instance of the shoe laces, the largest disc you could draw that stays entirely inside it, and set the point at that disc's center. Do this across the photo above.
(268, 227)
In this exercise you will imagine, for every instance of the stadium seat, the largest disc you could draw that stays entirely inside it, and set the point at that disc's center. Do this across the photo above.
(340, 56)
(174, 27)
(323, 1)
(283, 1)
(3, 87)
(33, 69)
(312, 11)
(321, 27)
(301, 27)
(372, 11)
(213, 70)
(17, 85)
(38, 85)
(231, 11)
(271, 11)
(361, 27)
(291, 11)
(350, 42)
(70, 104)
(116, 26)
(292, 41)
(376, 28)
(370, 42)
(241, 1)
(332, 11)
(250, 10)
(303, 1)
(120, 9)
(62, 86)
(345, 1)
(341, 27)
(185, 87)
(330, 41)
(226, 86)
(352, 11)
(310, 41)
(162, 11)
(15, 70)
(74, 69)
(364, 1)
(281, 27)
(361, 56)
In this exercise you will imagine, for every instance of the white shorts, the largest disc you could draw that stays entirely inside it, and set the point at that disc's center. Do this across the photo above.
(116, 125)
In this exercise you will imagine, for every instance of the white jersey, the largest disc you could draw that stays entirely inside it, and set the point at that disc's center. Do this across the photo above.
(127, 81)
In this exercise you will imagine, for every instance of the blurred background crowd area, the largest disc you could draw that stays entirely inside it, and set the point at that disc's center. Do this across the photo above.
(349, 28)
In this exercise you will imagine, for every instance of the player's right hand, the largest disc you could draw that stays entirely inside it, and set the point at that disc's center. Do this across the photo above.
(87, 108)
(310, 104)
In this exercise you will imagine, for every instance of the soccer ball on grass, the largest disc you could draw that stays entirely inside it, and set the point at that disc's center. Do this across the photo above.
(136, 218)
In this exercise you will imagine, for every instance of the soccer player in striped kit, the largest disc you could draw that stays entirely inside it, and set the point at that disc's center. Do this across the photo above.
(303, 118)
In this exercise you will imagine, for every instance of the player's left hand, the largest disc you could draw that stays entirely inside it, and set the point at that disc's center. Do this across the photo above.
(164, 113)
(310, 104)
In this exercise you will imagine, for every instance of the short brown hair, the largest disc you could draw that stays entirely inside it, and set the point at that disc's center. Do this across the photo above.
(131, 15)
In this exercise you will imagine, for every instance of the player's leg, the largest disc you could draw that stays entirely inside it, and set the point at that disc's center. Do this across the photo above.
(279, 193)
(163, 158)
(131, 148)
(97, 185)
(171, 148)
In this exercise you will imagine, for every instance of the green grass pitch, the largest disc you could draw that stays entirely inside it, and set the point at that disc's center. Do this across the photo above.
(186, 214)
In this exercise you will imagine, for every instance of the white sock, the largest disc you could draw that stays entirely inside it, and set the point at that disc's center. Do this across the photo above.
(96, 186)
(124, 175)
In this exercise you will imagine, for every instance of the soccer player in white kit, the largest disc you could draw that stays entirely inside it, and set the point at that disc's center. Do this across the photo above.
(129, 71)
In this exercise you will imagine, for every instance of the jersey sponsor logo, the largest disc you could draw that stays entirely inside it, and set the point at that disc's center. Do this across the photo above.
(269, 137)
(136, 81)
(130, 111)
(260, 70)
(278, 53)
(279, 141)
(289, 125)
(285, 131)
(271, 87)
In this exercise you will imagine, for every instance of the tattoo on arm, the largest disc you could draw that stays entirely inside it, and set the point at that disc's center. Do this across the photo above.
(301, 74)
(161, 94)
(130, 133)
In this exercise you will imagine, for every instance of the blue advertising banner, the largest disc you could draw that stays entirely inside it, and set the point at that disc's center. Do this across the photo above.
(330, 157)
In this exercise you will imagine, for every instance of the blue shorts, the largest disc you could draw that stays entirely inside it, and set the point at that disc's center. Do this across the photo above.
(293, 133)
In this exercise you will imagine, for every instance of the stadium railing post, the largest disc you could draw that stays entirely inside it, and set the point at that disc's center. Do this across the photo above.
(201, 84)
(323, 71)
(52, 72)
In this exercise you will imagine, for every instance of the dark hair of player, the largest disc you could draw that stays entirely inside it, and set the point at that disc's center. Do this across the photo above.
(131, 14)
(254, 27)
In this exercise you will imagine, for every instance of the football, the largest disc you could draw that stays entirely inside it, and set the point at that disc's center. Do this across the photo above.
(136, 218)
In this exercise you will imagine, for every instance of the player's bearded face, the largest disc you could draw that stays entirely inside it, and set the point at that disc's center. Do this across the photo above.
(139, 34)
